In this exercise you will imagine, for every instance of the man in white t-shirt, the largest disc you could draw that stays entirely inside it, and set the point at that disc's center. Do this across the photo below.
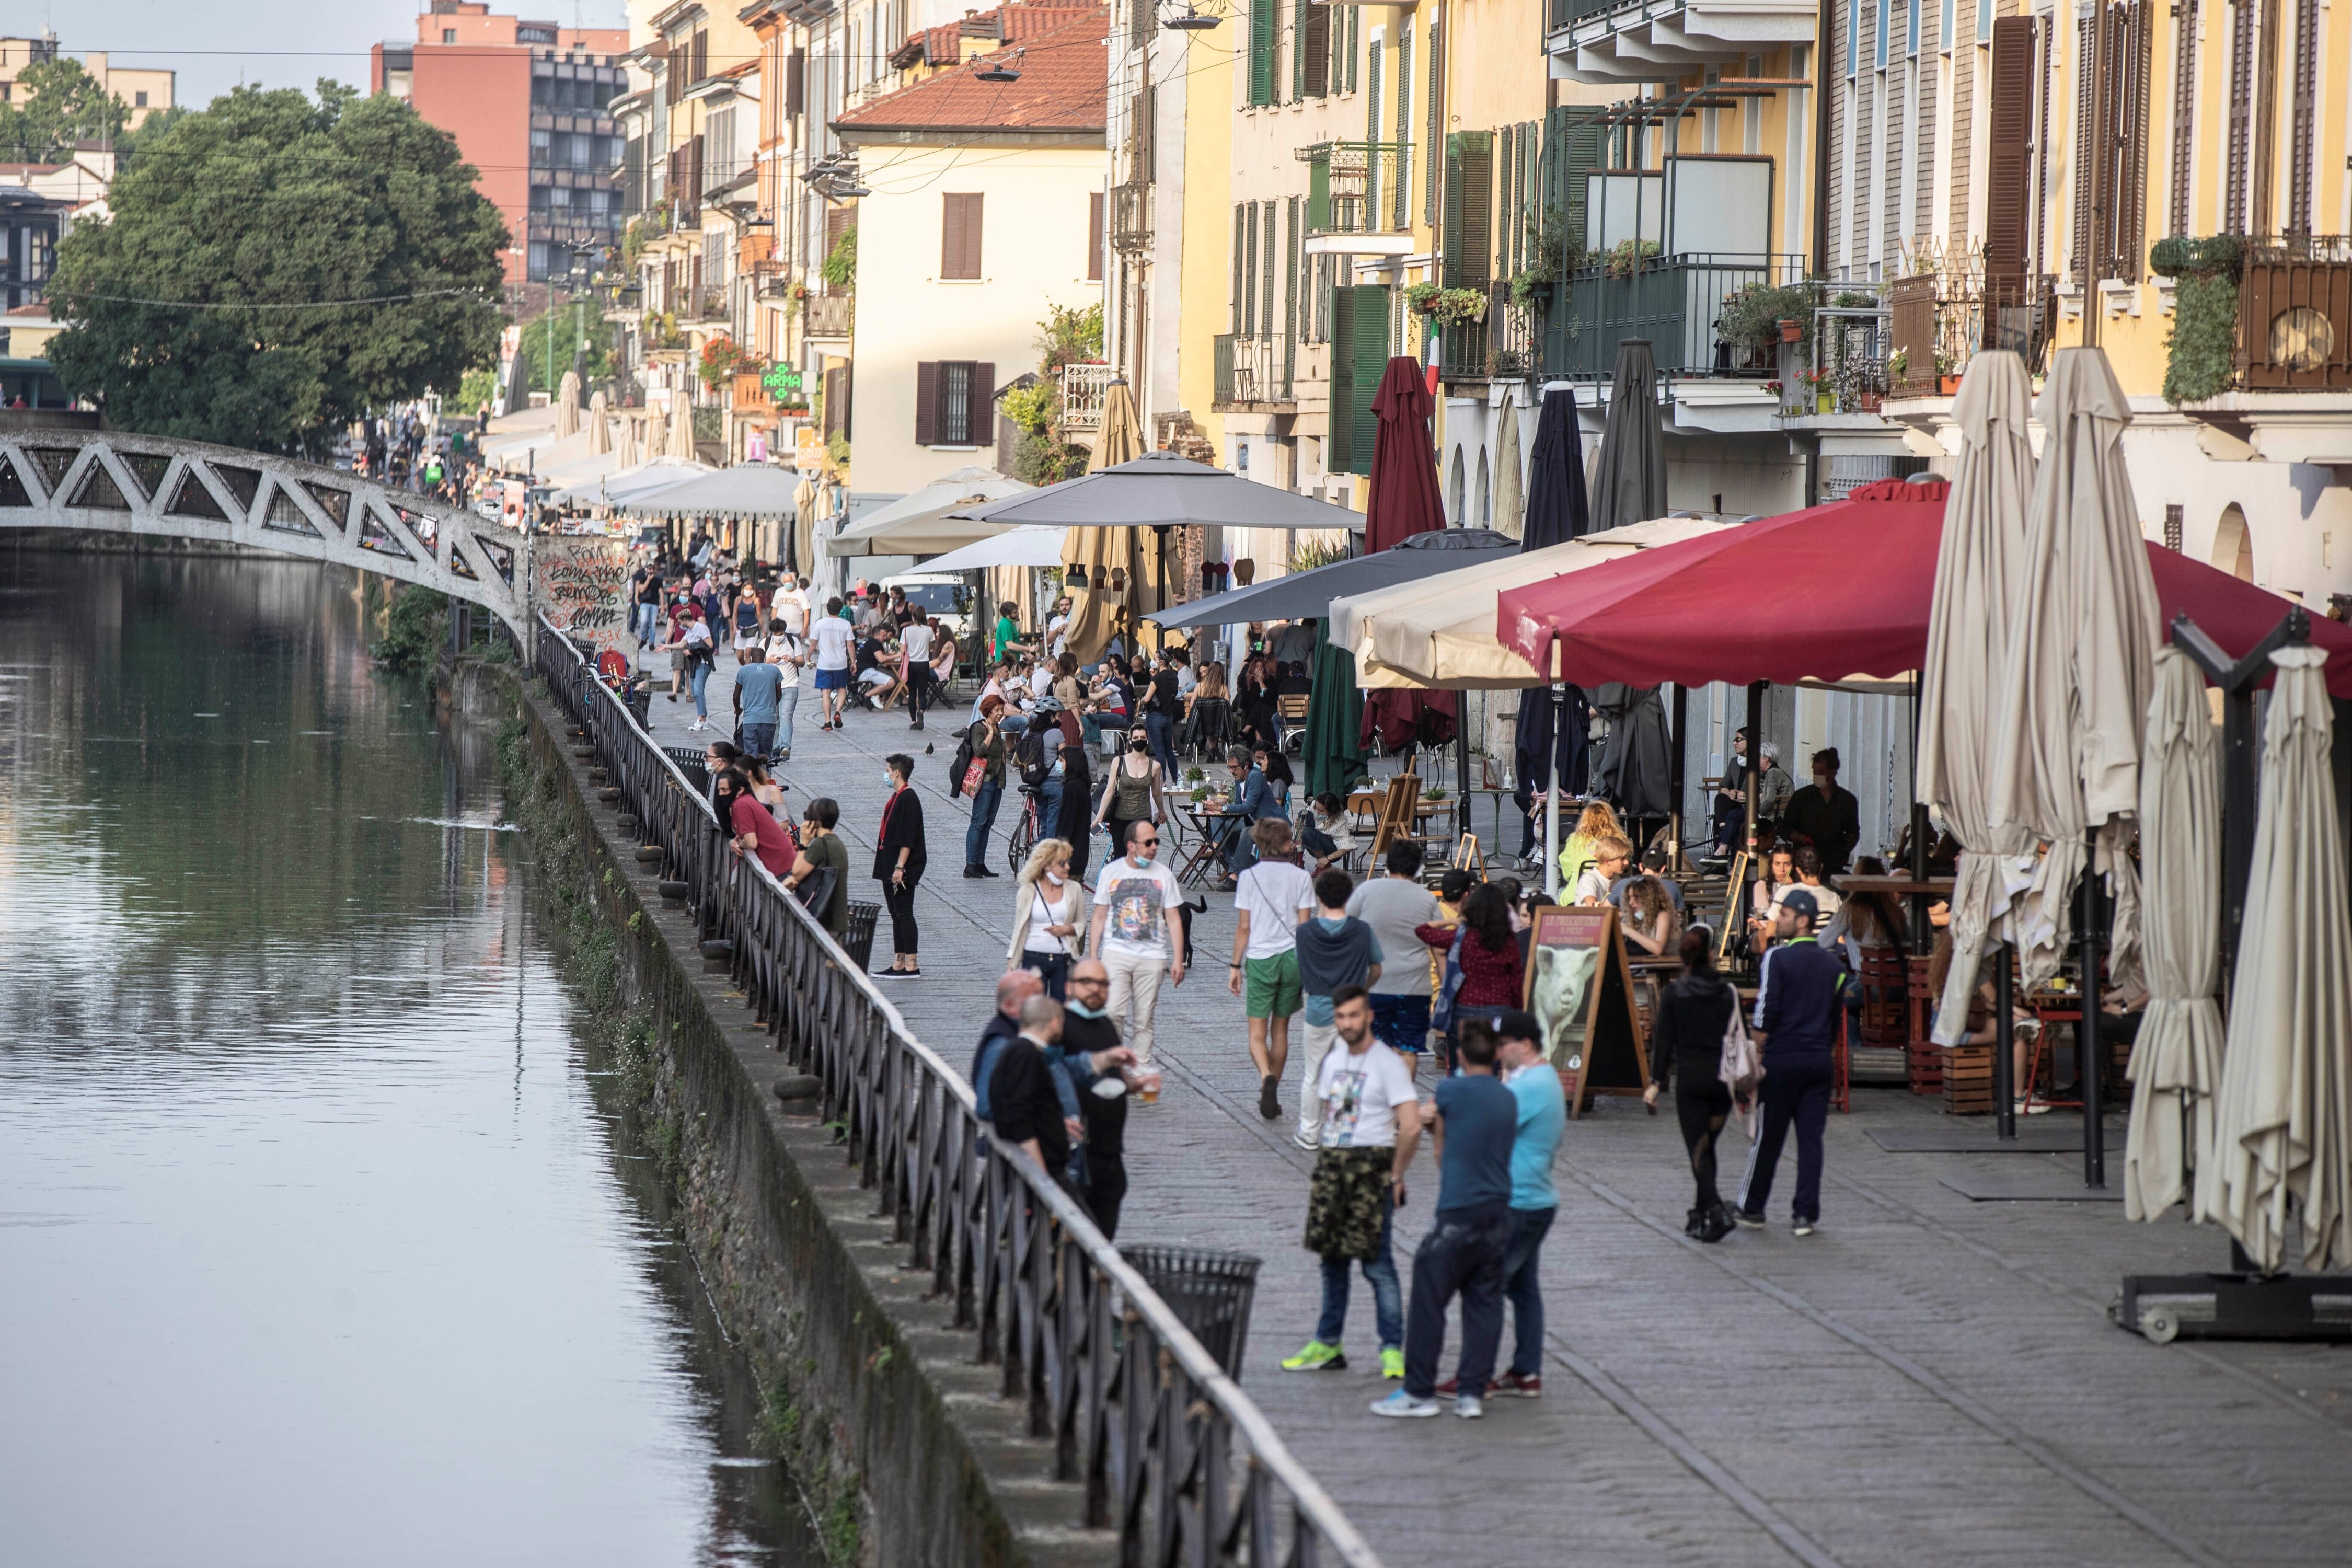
(1271, 900)
(788, 652)
(1057, 626)
(1371, 1126)
(915, 666)
(1138, 934)
(832, 636)
(791, 606)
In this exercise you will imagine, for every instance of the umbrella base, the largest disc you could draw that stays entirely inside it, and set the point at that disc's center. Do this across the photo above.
(2164, 1306)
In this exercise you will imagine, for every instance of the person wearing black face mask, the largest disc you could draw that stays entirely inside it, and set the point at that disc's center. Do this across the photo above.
(898, 857)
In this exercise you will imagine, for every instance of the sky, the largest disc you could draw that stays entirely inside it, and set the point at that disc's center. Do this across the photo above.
(217, 44)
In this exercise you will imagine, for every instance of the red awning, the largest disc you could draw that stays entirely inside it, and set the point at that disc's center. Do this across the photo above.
(1820, 594)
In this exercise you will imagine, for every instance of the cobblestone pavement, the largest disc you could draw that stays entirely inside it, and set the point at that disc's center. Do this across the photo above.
(1927, 1381)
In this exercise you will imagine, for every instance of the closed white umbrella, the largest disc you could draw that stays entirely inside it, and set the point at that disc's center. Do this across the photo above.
(600, 434)
(625, 446)
(567, 404)
(2077, 678)
(1510, 490)
(2177, 1059)
(1977, 569)
(2283, 1126)
(681, 425)
(656, 437)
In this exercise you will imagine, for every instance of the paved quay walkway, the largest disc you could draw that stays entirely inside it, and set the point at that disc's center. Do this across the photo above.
(1928, 1381)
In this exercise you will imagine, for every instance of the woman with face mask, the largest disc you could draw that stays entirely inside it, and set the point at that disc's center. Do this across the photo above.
(1049, 916)
(898, 857)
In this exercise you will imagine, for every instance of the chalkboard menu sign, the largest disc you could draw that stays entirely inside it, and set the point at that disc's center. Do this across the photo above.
(1581, 992)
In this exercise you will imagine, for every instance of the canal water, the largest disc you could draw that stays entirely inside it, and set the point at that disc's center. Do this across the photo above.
(315, 1246)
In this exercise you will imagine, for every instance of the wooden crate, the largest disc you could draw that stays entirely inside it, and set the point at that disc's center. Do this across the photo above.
(1968, 1080)
(1924, 1062)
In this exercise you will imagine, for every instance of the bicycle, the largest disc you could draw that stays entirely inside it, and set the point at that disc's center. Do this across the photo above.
(1028, 828)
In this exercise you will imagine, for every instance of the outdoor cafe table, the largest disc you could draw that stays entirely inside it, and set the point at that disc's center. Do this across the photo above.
(1211, 832)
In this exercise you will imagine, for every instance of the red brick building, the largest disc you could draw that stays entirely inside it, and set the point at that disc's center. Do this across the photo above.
(530, 104)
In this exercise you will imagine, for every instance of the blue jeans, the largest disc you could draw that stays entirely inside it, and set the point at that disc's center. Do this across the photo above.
(1522, 1287)
(1160, 730)
(984, 802)
(1388, 1301)
(698, 676)
(1400, 1019)
(646, 615)
(1049, 805)
(788, 702)
(759, 740)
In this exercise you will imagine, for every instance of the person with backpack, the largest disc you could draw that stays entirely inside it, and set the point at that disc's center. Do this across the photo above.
(1687, 1050)
(1798, 994)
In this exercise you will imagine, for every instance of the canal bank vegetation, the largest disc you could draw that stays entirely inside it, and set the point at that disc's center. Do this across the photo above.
(413, 622)
(638, 1083)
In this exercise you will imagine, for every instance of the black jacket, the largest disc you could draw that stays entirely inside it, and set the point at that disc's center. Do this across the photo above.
(1105, 1118)
(1799, 992)
(1687, 1038)
(1024, 1104)
(1832, 826)
(902, 828)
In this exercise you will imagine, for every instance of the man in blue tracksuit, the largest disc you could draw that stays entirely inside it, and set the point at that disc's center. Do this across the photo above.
(1798, 1000)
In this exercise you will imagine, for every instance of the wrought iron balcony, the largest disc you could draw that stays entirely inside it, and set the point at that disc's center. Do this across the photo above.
(1672, 300)
(1130, 218)
(1943, 319)
(829, 315)
(1498, 348)
(1251, 372)
(1084, 387)
(1358, 187)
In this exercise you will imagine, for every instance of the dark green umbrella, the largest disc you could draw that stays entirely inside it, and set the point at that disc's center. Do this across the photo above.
(1334, 757)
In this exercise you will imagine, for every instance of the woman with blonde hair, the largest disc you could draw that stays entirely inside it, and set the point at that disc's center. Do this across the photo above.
(1049, 915)
(1649, 920)
(1598, 822)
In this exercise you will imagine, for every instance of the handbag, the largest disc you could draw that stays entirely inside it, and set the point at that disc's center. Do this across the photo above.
(972, 777)
(815, 891)
(1441, 1017)
(1741, 1067)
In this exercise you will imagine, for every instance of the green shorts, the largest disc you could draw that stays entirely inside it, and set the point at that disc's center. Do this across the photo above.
(1270, 985)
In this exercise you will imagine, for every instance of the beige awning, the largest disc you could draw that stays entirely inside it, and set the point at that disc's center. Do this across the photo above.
(918, 523)
(1442, 637)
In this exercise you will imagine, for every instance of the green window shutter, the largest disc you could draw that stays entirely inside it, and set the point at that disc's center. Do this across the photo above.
(1373, 93)
(1313, 46)
(1319, 193)
(1299, 9)
(1355, 43)
(1436, 120)
(1575, 144)
(1477, 222)
(1449, 243)
(1290, 305)
(1359, 352)
(1239, 211)
(1261, 52)
(1249, 271)
(1266, 315)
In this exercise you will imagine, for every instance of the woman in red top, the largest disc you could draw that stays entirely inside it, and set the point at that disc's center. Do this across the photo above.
(1490, 953)
(754, 827)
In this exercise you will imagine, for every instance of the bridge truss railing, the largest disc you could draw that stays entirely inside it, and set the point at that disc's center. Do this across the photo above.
(1172, 1456)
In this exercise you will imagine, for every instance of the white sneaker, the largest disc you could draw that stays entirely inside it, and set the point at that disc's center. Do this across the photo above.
(1469, 1407)
(1398, 1404)
(1311, 1141)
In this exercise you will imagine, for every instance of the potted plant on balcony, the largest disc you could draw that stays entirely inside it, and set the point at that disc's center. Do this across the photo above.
(1819, 390)
(1625, 258)
(2204, 348)
(1947, 380)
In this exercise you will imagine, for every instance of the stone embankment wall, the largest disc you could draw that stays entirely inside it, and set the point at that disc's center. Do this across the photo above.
(899, 1437)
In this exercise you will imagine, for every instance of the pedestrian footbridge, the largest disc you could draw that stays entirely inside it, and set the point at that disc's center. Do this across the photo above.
(113, 482)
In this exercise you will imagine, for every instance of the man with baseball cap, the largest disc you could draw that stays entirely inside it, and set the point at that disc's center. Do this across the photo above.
(1798, 1000)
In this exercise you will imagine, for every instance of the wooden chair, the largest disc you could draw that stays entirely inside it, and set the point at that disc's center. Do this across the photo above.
(1395, 819)
(1292, 713)
(1885, 988)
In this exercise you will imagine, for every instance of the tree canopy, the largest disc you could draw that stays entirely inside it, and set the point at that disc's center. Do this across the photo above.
(62, 104)
(274, 268)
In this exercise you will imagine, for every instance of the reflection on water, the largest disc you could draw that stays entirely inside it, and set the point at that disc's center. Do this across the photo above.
(313, 1246)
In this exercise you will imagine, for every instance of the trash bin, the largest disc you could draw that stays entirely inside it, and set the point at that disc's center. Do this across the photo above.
(1209, 1291)
(859, 940)
(689, 760)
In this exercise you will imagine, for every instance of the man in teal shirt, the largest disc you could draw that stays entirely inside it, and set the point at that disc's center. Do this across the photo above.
(1543, 1116)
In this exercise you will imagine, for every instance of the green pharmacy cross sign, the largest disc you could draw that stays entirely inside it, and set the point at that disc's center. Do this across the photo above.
(782, 379)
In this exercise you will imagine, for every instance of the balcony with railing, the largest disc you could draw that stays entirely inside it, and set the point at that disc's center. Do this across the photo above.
(1672, 300)
(2260, 352)
(1130, 218)
(829, 315)
(1499, 346)
(1359, 191)
(1251, 372)
(1942, 321)
(1084, 387)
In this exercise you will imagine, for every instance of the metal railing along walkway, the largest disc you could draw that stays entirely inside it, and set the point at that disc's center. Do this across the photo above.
(1171, 1453)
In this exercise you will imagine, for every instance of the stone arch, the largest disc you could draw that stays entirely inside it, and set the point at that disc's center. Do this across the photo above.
(1453, 497)
(2233, 544)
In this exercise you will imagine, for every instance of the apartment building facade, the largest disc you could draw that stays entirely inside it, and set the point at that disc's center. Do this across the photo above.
(144, 89)
(529, 105)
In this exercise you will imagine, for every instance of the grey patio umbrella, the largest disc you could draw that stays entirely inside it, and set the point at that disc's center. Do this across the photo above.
(1629, 481)
(1308, 595)
(1162, 489)
(2283, 1126)
(2177, 1060)
(2077, 677)
(1977, 571)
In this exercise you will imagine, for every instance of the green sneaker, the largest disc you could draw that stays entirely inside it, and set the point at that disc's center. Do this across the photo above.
(1320, 1357)
(1393, 1365)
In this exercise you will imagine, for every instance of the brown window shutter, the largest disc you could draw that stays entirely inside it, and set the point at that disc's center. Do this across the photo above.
(2242, 116)
(796, 83)
(2304, 139)
(2089, 164)
(1093, 237)
(983, 403)
(2008, 184)
(960, 236)
(1315, 42)
(926, 404)
(2184, 114)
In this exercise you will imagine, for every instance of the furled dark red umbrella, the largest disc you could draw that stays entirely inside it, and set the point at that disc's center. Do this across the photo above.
(1404, 501)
